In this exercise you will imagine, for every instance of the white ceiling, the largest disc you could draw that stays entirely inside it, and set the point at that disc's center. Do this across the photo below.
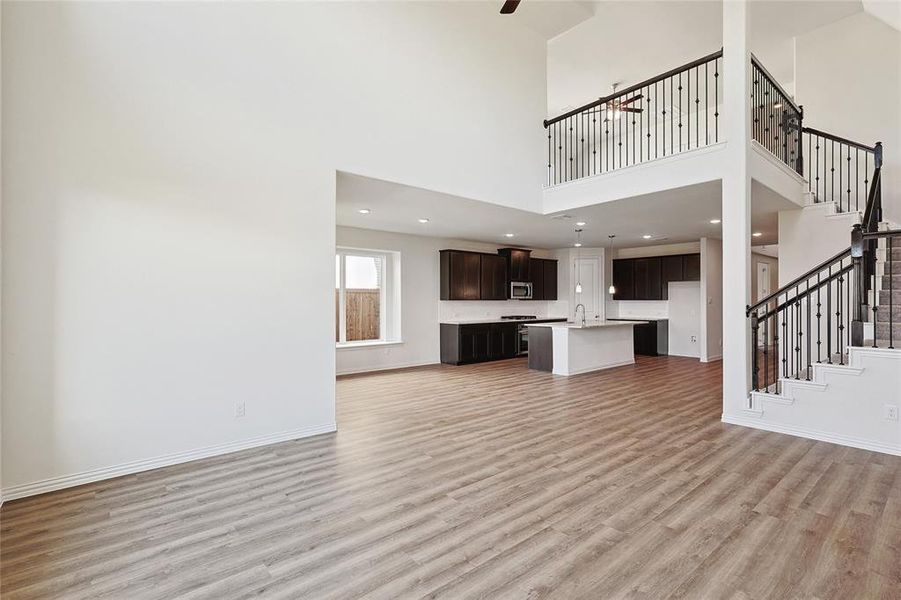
(629, 41)
(680, 215)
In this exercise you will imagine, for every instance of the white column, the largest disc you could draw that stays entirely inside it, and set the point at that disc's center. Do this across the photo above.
(736, 225)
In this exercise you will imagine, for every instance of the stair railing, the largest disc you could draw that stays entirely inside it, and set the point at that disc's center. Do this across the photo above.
(838, 169)
(667, 114)
(804, 322)
(776, 121)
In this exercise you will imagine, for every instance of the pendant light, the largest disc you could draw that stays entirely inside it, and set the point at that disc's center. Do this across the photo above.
(612, 288)
(578, 246)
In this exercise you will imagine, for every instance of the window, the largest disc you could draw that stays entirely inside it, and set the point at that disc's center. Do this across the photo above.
(365, 282)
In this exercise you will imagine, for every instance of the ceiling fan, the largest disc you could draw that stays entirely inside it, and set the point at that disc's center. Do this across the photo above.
(615, 107)
(509, 6)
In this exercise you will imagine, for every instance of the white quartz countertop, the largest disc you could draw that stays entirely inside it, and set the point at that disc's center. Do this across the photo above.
(496, 320)
(588, 324)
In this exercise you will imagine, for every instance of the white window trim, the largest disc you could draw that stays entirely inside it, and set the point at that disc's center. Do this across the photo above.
(389, 276)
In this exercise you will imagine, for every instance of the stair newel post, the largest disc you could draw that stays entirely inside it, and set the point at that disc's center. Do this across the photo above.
(755, 368)
(857, 260)
(800, 166)
(877, 154)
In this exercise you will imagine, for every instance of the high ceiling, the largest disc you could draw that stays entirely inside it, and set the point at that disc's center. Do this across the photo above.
(627, 41)
(680, 215)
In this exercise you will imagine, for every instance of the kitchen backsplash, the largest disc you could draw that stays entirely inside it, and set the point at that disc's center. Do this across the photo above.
(637, 308)
(468, 309)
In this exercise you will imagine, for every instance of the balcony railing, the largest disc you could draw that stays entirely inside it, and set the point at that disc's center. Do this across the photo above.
(776, 119)
(673, 112)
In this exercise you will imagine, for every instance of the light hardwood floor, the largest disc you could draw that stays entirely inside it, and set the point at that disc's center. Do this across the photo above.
(485, 481)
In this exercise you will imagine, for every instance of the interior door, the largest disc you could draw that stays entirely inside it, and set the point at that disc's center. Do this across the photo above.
(589, 271)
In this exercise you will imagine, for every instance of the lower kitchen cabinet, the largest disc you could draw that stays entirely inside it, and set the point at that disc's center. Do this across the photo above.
(479, 342)
(463, 343)
(651, 338)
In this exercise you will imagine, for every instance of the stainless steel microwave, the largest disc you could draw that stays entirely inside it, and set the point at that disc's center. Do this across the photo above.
(520, 290)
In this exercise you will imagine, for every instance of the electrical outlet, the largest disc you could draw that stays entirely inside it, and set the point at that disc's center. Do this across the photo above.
(891, 412)
(694, 339)
(240, 409)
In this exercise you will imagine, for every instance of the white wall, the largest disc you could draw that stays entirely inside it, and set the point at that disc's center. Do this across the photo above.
(711, 298)
(169, 205)
(849, 81)
(421, 309)
(586, 60)
(799, 250)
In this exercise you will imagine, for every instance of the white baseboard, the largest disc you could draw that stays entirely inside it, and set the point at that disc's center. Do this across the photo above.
(67, 481)
(387, 368)
(812, 434)
(713, 358)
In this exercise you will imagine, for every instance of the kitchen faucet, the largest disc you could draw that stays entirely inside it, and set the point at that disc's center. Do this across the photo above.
(582, 306)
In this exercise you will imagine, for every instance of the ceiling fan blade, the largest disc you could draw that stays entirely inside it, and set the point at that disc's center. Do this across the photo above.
(630, 109)
(632, 99)
(509, 6)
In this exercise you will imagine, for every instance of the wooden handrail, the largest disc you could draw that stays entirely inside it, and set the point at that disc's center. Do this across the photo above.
(776, 85)
(633, 88)
(830, 136)
(841, 255)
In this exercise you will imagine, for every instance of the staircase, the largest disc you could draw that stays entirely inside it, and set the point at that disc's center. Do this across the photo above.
(887, 295)
(826, 347)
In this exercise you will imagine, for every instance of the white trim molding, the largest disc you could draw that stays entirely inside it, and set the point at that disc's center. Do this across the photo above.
(812, 434)
(67, 481)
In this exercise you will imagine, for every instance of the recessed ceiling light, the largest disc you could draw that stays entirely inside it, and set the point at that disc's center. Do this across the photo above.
(578, 244)
(423, 220)
(647, 236)
(580, 223)
(715, 221)
(757, 234)
(508, 235)
(364, 211)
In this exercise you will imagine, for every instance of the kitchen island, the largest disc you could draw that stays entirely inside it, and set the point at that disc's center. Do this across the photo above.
(571, 348)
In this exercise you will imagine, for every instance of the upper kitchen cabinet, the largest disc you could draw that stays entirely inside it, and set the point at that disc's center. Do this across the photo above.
(493, 277)
(461, 275)
(648, 278)
(517, 263)
(543, 275)
(692, 266)
(624, 279)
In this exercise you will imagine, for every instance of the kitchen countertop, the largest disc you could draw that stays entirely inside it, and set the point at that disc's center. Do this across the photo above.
(483, 321)
(590, 324)
(638, 319)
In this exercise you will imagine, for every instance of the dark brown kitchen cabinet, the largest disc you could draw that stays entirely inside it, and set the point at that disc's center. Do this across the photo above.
(461, 275)
(517, 263)
(624, 279)
(671, 269)
(543, 275)
(692, 267)
(493, 277)
(477, 342)
(550, 279)
(648, 278)
(536, 272)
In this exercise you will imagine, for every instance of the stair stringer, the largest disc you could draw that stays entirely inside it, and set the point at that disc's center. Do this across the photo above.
(844, 405)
